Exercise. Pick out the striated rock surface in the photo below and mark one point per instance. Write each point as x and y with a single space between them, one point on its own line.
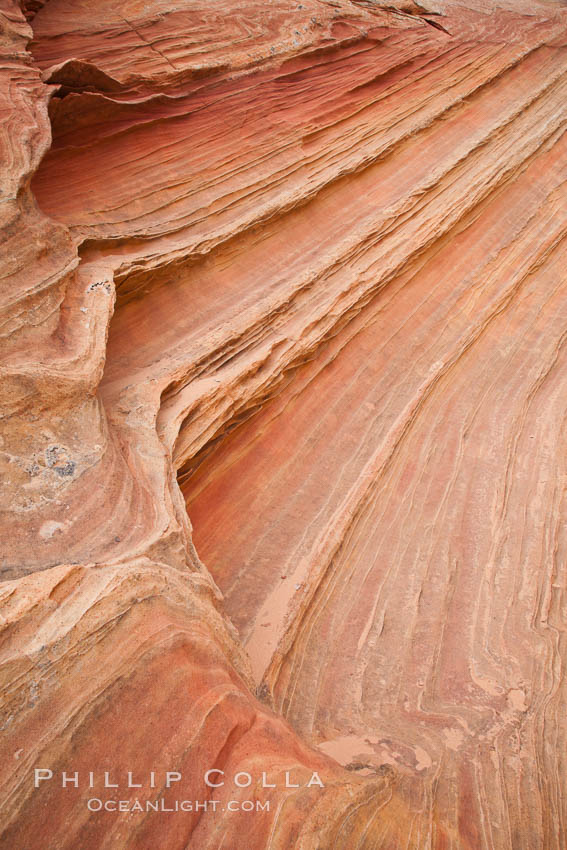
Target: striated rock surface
283 392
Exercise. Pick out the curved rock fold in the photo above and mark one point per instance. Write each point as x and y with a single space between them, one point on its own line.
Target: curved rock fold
283 416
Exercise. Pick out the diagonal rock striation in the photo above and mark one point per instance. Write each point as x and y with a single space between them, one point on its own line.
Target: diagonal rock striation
283 409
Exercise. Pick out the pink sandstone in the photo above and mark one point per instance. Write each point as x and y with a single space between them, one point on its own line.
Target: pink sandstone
283 399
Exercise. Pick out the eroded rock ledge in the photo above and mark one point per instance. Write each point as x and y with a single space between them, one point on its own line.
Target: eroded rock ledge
283 419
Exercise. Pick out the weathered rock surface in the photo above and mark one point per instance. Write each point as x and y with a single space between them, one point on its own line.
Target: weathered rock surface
283 401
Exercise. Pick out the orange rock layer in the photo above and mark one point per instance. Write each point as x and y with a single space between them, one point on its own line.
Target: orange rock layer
283 402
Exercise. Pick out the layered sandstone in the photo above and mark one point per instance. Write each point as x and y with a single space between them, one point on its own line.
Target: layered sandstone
283 404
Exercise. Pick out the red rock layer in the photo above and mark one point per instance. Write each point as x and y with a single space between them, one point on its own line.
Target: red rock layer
309 261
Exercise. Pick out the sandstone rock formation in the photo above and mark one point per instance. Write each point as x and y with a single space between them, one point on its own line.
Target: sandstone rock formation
283 392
